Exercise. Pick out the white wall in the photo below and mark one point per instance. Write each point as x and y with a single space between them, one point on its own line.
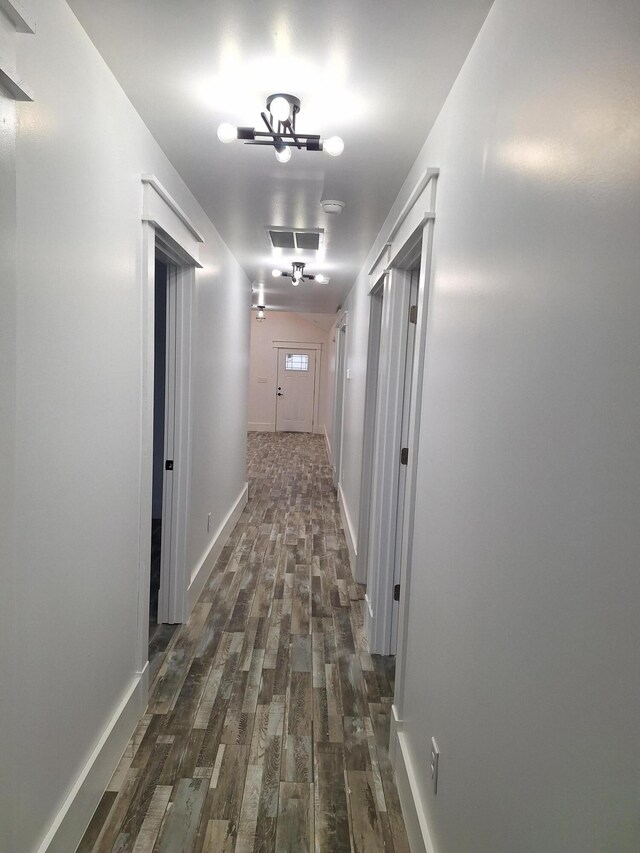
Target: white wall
8 579
524 600
283 326
81 149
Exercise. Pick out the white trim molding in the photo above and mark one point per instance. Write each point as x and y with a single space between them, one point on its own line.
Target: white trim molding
10 80
17 88
76 811
200 574
349 535
327 442
294 344
416 192
168 199
18 17
405 223
258 426
415 817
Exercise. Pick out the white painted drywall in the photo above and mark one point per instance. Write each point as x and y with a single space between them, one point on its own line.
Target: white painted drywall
523 609
8 575
81 149
283 326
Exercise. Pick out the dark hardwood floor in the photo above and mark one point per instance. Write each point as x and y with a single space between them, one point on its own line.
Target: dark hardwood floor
268 720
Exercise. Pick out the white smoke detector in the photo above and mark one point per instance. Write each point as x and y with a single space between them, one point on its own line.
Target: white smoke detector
332 205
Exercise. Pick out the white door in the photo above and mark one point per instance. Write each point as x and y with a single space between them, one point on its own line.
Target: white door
404 442
295 392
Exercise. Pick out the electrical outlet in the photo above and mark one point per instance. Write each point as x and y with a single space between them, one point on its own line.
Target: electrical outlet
209 523
435 761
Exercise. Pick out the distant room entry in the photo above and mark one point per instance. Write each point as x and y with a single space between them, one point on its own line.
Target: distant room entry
296 390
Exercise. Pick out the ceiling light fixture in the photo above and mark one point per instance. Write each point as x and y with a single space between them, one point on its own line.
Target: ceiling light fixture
297 274
260 315
281 131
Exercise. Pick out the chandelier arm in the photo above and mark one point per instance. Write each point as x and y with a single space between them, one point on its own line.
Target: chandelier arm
291 131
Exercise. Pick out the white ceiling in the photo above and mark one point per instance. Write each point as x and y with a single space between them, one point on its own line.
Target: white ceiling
375 72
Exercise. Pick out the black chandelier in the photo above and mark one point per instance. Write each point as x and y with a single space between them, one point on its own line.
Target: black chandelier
297 274
281 131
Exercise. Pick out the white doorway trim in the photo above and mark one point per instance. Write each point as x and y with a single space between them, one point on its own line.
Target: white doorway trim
167 232
386 461
413 442
368 441
338 399
299 345
389 541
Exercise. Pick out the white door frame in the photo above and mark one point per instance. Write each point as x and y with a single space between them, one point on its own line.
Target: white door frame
339 397
294 346
166 231
411 233
174 577
369 437
406 544
386 462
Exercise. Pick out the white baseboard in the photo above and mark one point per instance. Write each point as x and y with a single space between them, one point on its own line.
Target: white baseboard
201 573
352 544
260 427
415 818
328 443
74 815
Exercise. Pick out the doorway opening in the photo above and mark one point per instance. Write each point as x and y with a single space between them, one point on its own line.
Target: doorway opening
297 387
369 436
338 402
159 399
390 406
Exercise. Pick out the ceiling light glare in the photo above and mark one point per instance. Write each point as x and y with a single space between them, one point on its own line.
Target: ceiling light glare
321 279
276 273
280 109
283 156
295 281
333 146
227 133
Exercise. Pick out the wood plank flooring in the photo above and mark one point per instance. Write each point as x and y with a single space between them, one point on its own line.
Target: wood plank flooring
268 719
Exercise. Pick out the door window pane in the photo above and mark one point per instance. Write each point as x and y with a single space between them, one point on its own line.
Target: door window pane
296 361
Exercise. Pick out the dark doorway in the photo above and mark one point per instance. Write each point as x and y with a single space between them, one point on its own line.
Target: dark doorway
159 394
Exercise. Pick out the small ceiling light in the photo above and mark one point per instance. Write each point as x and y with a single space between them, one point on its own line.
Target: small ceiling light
333 146
298 274
227 133
332 206
260 315
280 108
283 156
281 130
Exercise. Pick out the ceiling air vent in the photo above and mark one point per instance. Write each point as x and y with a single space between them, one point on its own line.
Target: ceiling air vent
298 238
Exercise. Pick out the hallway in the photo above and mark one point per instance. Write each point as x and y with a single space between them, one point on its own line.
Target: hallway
268 722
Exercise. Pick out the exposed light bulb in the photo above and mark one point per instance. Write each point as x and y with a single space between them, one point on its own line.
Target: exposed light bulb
276 273
333 146
227 132
295 281
261 315
320 278
280 109
283 156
